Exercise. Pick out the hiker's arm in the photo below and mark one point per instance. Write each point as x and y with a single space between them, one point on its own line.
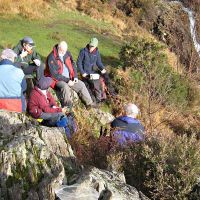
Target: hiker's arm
73 65
99 62
80 62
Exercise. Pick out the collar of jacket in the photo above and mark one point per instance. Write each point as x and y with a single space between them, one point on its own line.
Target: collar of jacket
38 90
55 53
6 62
128 120
93 52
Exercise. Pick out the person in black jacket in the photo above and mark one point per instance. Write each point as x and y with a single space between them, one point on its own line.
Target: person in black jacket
91 68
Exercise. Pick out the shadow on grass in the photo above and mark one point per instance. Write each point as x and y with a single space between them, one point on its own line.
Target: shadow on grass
110 60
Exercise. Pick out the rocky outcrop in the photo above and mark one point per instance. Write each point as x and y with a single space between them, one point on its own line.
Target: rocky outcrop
34 159
102 184
167 20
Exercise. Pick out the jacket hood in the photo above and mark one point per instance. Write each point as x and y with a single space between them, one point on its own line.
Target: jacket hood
6 62
129 120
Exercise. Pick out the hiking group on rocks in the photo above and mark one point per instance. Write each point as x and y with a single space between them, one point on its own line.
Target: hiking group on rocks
60 73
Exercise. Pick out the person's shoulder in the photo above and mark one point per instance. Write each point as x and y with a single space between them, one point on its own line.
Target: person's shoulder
115 122
35 91
18 46
84 49
51 55
68 53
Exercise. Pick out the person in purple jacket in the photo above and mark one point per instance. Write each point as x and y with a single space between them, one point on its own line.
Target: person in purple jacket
127 128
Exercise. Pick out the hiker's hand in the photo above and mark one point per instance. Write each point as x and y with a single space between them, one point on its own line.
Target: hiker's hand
103 71
75 80
84 75
71 83
64 110
37 62
23 54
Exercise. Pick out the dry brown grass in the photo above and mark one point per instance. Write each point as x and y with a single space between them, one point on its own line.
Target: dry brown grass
31 9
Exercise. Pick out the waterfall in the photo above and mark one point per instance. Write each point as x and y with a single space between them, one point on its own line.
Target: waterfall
192 26
193 29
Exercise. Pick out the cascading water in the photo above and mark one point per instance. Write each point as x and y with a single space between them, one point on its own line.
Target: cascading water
192 27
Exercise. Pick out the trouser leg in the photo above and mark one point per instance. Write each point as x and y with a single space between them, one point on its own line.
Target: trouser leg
97 89
94 88
29 69
50 119
40 71
64 93
90 89
81 89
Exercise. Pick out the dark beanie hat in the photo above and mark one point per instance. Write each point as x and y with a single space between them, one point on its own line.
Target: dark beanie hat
44 83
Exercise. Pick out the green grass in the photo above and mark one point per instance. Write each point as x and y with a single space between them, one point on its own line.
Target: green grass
72 27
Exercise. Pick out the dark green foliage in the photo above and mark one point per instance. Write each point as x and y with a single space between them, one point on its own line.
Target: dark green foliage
163 167
155 77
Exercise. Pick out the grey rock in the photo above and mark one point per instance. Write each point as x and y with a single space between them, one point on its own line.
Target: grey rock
108 184
33 159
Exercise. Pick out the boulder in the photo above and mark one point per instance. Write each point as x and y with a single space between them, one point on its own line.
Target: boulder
34 159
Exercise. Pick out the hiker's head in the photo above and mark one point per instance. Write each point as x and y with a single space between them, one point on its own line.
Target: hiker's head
62 48
131 110
8 54
44 83
28 43
93 44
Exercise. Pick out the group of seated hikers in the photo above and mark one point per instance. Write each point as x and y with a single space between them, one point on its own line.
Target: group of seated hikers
60 73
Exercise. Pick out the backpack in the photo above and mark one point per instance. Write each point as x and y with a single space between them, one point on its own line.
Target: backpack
104 88
69 123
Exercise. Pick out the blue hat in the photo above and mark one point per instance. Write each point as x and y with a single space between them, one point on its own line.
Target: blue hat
28 40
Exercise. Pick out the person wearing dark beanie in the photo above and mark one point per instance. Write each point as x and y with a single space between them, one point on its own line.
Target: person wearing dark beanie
42 105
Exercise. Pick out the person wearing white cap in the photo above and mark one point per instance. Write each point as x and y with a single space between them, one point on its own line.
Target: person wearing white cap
62 68
127 128
28 59
92 69
12 83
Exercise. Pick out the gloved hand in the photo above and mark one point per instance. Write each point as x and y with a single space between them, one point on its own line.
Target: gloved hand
84 75
75 80
71 83
23 54
37 62
103 71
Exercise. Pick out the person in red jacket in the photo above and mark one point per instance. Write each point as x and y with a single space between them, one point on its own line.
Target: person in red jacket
42 105
61 68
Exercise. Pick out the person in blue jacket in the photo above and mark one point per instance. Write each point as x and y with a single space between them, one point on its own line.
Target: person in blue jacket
127 128
12 83
91 68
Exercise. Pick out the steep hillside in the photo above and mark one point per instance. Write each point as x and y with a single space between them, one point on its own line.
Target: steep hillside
151 61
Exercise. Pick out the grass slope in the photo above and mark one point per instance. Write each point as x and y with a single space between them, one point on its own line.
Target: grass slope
73 27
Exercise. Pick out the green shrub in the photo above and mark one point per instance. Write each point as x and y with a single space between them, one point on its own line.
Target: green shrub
159 82
164 167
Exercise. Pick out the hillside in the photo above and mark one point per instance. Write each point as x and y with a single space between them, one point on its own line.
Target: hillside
152 62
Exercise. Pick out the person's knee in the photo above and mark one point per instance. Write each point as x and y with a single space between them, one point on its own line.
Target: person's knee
42 66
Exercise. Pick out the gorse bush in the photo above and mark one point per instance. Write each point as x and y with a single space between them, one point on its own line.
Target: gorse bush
163 167
159 82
